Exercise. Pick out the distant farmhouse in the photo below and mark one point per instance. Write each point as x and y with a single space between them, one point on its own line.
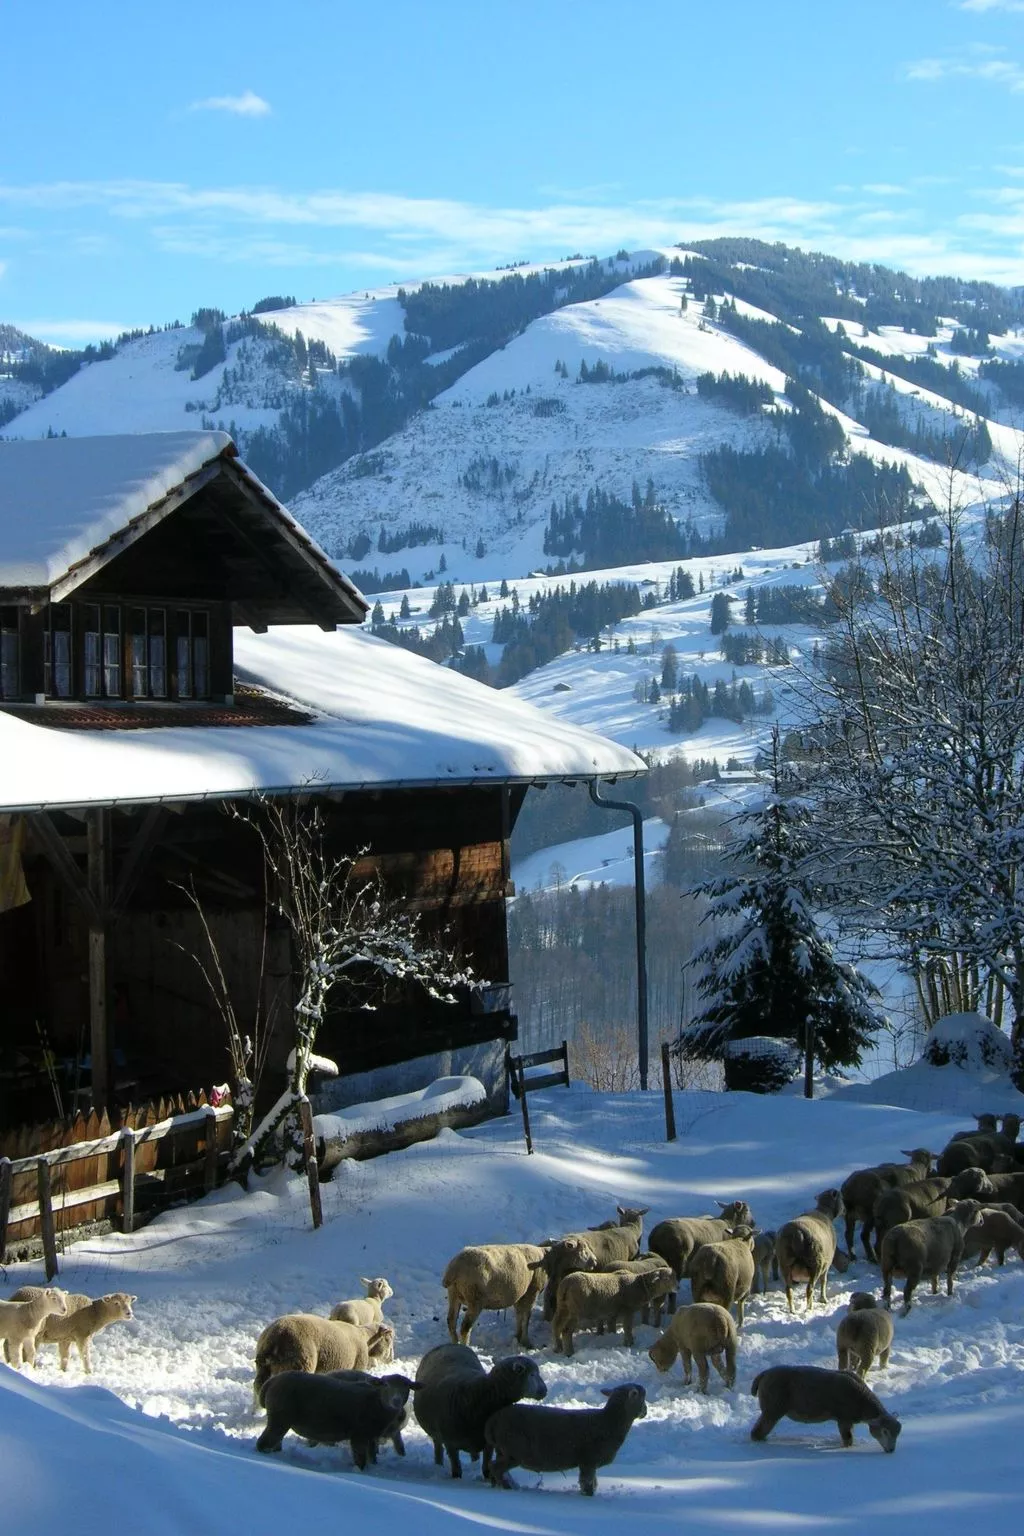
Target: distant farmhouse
172 642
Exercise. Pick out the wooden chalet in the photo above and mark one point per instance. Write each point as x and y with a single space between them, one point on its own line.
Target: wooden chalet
173 642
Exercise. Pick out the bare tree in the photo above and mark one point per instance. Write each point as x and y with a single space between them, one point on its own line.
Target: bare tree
919 753
347 932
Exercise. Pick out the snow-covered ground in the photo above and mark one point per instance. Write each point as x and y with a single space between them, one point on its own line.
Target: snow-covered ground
171 1394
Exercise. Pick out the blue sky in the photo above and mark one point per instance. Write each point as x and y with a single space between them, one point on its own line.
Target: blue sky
164 156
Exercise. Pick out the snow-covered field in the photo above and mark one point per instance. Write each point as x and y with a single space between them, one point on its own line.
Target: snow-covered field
171 1393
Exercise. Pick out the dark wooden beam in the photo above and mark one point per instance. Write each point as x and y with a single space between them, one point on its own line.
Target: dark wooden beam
56 850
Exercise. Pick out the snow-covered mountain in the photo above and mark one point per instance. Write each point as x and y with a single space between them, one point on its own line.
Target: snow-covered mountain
452 415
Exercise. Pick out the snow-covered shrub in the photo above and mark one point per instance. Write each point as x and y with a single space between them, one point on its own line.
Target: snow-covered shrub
970 1041
760 1064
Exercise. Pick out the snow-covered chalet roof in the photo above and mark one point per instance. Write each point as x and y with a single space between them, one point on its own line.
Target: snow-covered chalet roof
70 504
383 718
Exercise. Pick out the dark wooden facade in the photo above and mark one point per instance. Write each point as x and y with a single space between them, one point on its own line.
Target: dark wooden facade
444 852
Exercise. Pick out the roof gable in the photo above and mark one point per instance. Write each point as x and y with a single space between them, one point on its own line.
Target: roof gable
69 507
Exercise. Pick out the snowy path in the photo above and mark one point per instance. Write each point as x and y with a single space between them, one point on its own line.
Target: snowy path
209 1277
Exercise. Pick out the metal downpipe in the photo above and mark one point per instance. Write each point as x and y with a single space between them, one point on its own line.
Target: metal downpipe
643 1049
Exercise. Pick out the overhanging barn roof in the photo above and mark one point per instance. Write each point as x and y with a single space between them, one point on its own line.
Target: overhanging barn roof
70 507
383 719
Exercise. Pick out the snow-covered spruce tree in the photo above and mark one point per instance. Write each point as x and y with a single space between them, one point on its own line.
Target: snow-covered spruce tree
347 933
769 970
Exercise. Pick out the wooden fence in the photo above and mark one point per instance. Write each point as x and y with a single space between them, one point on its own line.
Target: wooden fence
54 1177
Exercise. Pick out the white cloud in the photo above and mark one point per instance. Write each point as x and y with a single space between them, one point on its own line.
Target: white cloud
73 332
994 71
246 105
991 5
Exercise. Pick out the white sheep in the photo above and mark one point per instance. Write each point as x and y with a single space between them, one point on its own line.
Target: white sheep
21 1321
82 1321
704 1331
806 1247
302 1341
864 1333
491 1277
366 1310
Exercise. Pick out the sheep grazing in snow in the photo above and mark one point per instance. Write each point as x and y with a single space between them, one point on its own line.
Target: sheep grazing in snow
864 1334
606 1299
927 1197
618 1239
22 1321
921 1250
1000 1227
565 1256
329 1409
301 1341
806 1247
490 1278
677 1239
704 1331
651 1312
811 1395
365 1310
724 1272
862 1189
455 1397
561 1439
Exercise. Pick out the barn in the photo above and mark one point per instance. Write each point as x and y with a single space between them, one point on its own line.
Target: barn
173 645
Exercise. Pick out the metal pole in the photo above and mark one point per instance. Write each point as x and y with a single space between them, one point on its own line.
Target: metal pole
641 918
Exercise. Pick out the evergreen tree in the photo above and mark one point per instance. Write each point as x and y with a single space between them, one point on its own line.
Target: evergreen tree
405 612
377 616
669 668
770 970
720 614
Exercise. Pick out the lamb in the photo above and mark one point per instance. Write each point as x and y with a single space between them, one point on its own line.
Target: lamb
865 1331
643 1262
83 1319
455 1397
605 1298
366 1311
301 1341
566 1256
613 1240
920 1249
811 1395
927 1197
22 1321
329 1409
705 1331
1005 1187
862 1189
806 1247
766 1261
677 1239
999 1228
724 1272
559 1439
492 1277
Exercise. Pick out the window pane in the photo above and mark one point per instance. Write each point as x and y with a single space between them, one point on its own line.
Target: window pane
200 655
157 653
57 652
9 671
183 655
112 652
91 653
137 652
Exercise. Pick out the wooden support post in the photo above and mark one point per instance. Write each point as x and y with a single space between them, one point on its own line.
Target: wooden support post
98 849
5 1202
517 1066
46 1217
309 1157
210 1165
666 1082
128 1179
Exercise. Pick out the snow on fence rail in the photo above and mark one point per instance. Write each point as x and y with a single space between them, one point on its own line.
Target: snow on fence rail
131 1154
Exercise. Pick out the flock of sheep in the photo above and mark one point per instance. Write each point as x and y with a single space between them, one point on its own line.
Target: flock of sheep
325 1379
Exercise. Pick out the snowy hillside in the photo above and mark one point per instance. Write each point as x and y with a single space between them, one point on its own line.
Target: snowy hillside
169 1415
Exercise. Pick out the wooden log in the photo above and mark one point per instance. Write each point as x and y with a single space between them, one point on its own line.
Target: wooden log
666 1082
6 1180
128 1180
309 1157
46 1218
